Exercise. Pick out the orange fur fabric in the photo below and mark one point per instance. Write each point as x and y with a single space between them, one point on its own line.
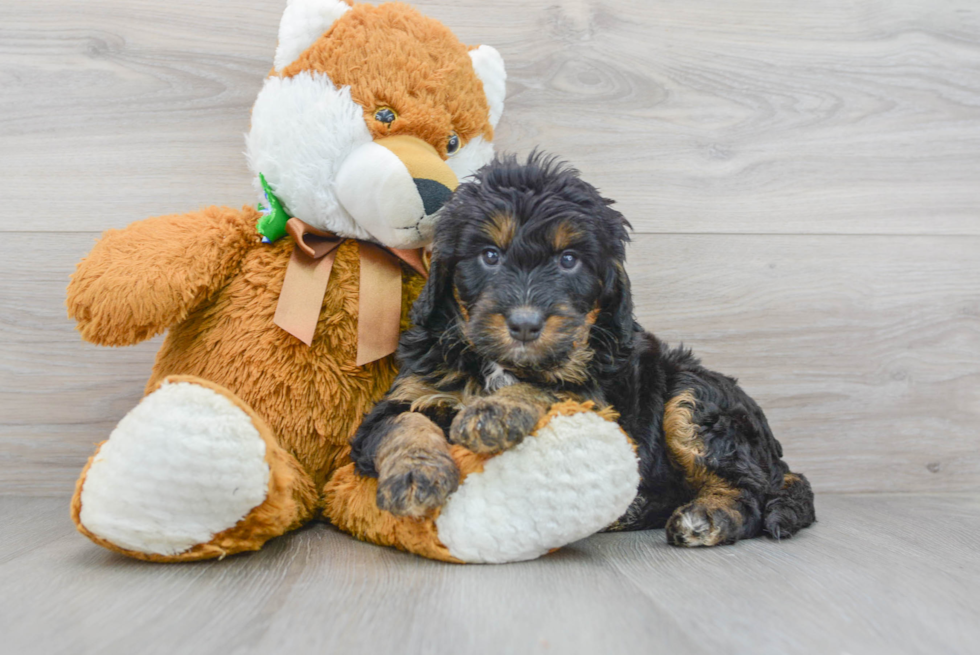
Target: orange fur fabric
208 276
385 54
312 397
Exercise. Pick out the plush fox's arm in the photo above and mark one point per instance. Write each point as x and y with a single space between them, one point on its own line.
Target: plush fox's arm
140 280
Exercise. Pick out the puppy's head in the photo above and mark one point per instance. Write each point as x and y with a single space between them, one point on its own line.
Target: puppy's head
528 260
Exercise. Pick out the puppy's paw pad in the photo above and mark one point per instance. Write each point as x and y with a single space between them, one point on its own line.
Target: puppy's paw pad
490 426
417 484
701 524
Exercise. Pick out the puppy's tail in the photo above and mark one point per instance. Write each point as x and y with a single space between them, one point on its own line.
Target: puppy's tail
790 508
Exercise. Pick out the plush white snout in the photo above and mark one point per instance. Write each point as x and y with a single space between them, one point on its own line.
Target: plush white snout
309 140
376 189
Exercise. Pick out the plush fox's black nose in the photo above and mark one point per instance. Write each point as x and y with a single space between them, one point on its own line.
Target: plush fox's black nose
525 324
434 194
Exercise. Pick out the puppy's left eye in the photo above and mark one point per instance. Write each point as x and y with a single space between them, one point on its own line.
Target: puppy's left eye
568 260
491 256
453 144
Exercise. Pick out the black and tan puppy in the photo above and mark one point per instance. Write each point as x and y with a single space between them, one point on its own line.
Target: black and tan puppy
528 302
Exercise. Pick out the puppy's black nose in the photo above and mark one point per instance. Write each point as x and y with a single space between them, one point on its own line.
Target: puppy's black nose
525 324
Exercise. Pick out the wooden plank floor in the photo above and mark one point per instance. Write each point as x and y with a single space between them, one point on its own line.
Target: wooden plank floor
890 574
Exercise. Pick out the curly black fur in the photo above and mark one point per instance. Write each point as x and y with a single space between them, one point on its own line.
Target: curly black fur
534 214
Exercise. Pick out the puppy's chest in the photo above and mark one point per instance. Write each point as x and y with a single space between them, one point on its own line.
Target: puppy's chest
496 377
446 392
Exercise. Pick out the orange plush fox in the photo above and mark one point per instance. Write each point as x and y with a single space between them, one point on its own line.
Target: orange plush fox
282 319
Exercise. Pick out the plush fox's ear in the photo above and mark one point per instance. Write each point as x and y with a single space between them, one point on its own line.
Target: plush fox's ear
489 67
303 22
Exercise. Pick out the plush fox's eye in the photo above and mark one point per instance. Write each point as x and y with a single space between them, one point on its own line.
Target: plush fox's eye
385 115
491 256
453 144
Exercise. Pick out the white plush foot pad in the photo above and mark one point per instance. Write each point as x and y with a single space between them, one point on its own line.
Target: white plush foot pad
183 465
574 478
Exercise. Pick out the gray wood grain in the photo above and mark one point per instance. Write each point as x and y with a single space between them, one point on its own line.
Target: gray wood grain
706 116
864 351
804 179
876 574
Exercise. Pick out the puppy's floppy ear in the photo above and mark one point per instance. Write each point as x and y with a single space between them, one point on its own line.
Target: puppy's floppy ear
429 310
616 301
616 305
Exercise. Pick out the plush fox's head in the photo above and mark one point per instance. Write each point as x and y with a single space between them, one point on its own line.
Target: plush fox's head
370 117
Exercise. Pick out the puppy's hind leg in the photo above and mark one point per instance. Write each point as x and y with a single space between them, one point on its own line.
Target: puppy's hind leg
725 464
789 509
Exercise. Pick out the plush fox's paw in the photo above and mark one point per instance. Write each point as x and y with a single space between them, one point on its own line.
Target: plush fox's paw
492 425
573 477
186 464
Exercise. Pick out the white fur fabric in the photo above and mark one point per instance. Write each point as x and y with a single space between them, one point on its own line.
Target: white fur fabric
302 23
183 465
573 478
472 157
374 185
303 128
489 67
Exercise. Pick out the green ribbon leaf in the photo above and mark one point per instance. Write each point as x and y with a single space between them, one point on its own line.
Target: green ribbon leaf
272 225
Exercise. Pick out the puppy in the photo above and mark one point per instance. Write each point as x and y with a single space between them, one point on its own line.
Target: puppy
528 303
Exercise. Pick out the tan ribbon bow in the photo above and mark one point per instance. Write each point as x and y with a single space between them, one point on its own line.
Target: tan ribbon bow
380 293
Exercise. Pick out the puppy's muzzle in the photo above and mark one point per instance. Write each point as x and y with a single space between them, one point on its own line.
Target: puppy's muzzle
393 186
525 324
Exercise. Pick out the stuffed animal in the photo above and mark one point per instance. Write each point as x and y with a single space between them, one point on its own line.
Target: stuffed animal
282 319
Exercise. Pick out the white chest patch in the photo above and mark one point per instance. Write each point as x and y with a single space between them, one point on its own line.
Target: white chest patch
496 377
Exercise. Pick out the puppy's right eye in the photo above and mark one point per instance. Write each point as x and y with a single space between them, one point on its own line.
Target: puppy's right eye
568 260
491 256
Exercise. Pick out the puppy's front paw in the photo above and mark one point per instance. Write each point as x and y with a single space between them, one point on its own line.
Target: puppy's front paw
416 473
417 483
493 425
703 523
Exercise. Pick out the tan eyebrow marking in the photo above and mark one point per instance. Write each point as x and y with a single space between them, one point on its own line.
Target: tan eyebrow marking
501 228
564 235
